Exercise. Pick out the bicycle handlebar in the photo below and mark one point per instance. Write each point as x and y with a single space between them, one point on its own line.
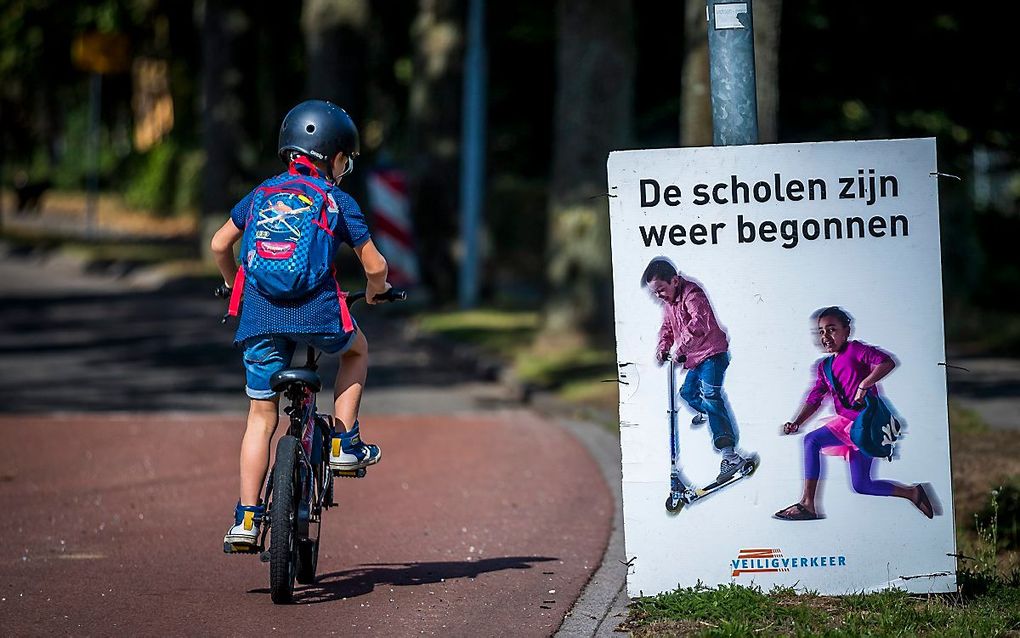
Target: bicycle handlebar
391 295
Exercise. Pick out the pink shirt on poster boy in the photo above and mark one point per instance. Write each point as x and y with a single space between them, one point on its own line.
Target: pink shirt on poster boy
691 325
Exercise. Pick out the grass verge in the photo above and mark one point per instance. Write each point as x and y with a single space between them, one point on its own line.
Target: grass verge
733 610
575 373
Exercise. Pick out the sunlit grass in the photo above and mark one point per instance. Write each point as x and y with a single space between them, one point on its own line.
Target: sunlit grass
733 610
496 332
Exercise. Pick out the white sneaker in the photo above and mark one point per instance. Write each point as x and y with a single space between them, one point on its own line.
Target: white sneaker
244 535
348 452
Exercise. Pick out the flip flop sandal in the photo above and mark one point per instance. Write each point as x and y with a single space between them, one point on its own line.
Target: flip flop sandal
924 503
801 514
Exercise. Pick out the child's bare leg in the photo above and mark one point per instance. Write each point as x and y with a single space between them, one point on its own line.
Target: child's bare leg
263 417
808 498
807 502
350 383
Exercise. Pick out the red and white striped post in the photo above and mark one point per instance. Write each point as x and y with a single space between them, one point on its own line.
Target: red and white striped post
394 233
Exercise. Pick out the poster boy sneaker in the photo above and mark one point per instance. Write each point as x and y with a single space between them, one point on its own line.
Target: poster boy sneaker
349 452
244 535
729 466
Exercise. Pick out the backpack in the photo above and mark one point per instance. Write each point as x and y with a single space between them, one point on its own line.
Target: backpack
875 429
287 247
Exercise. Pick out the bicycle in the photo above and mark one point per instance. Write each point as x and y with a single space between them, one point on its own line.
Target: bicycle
300 483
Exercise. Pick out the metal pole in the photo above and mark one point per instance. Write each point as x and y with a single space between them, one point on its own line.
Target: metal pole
95 102
731 68
472 162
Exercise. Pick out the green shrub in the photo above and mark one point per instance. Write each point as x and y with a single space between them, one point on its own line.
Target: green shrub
1001 516
188 192
153 184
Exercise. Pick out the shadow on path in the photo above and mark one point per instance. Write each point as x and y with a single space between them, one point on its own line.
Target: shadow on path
363 580
84 350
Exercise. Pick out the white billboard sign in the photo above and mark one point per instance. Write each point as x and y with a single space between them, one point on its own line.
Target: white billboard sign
780 333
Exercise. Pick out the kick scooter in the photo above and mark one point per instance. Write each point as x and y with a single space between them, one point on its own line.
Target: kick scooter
681 494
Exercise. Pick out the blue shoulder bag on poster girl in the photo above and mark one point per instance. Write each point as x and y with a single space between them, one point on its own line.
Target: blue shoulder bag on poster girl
875 429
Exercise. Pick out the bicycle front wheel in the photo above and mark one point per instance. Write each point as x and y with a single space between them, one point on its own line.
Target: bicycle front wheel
283 521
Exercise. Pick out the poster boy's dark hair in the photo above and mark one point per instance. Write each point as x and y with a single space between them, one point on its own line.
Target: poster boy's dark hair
659 268
833 311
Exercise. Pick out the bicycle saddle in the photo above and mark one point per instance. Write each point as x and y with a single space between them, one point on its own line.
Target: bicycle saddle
280 380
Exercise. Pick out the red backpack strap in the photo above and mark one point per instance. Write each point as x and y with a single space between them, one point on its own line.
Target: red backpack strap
345 313
301 160
236 293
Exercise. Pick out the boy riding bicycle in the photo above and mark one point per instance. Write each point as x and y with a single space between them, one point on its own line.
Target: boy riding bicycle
291 226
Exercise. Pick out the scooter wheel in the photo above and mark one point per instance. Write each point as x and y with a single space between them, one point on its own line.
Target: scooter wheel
750 468
671 508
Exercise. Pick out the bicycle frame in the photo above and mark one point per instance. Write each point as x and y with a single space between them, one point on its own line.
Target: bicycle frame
316 482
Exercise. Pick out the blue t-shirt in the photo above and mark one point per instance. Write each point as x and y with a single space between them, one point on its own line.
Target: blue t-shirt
319 312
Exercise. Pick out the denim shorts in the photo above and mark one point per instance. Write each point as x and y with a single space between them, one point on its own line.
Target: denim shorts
268 354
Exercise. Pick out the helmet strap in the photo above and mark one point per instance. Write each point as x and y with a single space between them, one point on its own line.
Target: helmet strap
335 179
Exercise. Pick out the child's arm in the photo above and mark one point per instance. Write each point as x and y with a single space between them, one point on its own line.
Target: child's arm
700 318
812 402
665 343
878 373
376 270
222 246
806 411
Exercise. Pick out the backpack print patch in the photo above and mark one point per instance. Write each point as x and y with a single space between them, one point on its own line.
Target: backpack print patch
278 229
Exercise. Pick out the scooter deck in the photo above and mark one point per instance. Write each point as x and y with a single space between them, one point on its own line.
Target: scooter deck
678 498
745 471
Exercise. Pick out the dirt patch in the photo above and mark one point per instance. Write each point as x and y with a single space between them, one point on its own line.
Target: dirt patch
981 462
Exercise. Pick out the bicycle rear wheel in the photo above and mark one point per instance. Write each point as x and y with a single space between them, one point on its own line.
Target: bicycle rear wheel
283 521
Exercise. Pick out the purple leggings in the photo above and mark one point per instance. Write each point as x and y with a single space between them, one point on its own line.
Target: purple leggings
860 463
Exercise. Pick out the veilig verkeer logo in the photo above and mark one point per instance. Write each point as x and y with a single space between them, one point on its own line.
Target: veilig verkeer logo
757 560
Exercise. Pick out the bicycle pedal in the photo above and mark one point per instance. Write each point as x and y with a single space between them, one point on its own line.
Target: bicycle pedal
358 473
239 548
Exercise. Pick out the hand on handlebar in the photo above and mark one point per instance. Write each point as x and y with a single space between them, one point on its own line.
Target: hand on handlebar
372 292
391 294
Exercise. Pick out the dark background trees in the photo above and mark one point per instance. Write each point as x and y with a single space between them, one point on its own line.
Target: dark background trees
568 81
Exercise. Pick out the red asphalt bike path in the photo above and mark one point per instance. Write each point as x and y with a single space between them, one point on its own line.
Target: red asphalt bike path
473 524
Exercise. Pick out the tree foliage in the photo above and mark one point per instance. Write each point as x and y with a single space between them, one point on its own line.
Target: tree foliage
843 71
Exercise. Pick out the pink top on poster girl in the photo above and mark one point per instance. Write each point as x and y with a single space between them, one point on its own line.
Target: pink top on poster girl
849 368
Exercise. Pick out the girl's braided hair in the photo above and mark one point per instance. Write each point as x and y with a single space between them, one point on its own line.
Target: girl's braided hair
833 311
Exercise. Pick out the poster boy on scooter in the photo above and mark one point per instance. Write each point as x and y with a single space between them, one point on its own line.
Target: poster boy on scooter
692 334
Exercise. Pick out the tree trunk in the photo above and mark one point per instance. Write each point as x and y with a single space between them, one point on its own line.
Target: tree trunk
222 111
593 116
434 113
335 46
695 87
767 20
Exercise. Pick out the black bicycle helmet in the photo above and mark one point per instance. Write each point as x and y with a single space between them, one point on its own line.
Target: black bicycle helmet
319 129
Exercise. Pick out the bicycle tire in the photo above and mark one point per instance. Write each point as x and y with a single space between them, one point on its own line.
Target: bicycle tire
283 521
